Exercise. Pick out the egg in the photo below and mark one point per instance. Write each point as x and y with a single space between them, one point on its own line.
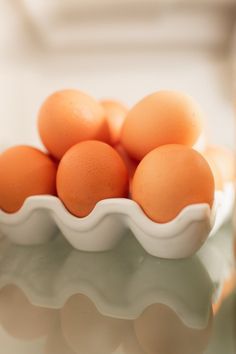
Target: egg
201 143
224 161
86 330
115 114
218 177
89 172
68 117
169 179
159 330
130 163
164 117
25 172
20 318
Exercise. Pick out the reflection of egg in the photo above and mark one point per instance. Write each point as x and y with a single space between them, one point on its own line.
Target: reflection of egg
89 172
56 343
165 117
170 178
25 171
160 331
224 161
115 114
86 330
228 287
20 318
130 343
69 117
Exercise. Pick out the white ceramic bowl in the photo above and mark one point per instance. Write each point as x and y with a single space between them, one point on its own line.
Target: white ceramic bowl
40 217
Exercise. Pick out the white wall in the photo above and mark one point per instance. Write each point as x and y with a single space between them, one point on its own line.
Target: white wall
30 70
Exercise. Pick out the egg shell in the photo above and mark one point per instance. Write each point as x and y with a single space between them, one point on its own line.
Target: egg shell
25 172
164 117
130 163
68 117
88 173
223 159
218 177
169 179
115 113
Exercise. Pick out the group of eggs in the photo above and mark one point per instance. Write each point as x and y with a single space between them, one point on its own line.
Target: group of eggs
99 150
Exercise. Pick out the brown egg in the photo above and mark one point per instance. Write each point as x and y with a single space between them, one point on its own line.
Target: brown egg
115 114
218 178
160 331
130 163
164 117
86 330
89 172
224 161
20 318
25 171
68 117
170 178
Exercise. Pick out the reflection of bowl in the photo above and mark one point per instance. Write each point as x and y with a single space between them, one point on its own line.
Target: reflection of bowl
122 285
121 282
80 328
176 285
40 216
157 330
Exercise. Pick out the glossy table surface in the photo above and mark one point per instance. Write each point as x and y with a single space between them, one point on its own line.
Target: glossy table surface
56 300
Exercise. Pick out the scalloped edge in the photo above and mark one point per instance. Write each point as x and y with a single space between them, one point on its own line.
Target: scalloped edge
40 217
165 280
168 287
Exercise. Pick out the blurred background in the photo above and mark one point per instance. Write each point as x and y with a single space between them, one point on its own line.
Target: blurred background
122 49
119 49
